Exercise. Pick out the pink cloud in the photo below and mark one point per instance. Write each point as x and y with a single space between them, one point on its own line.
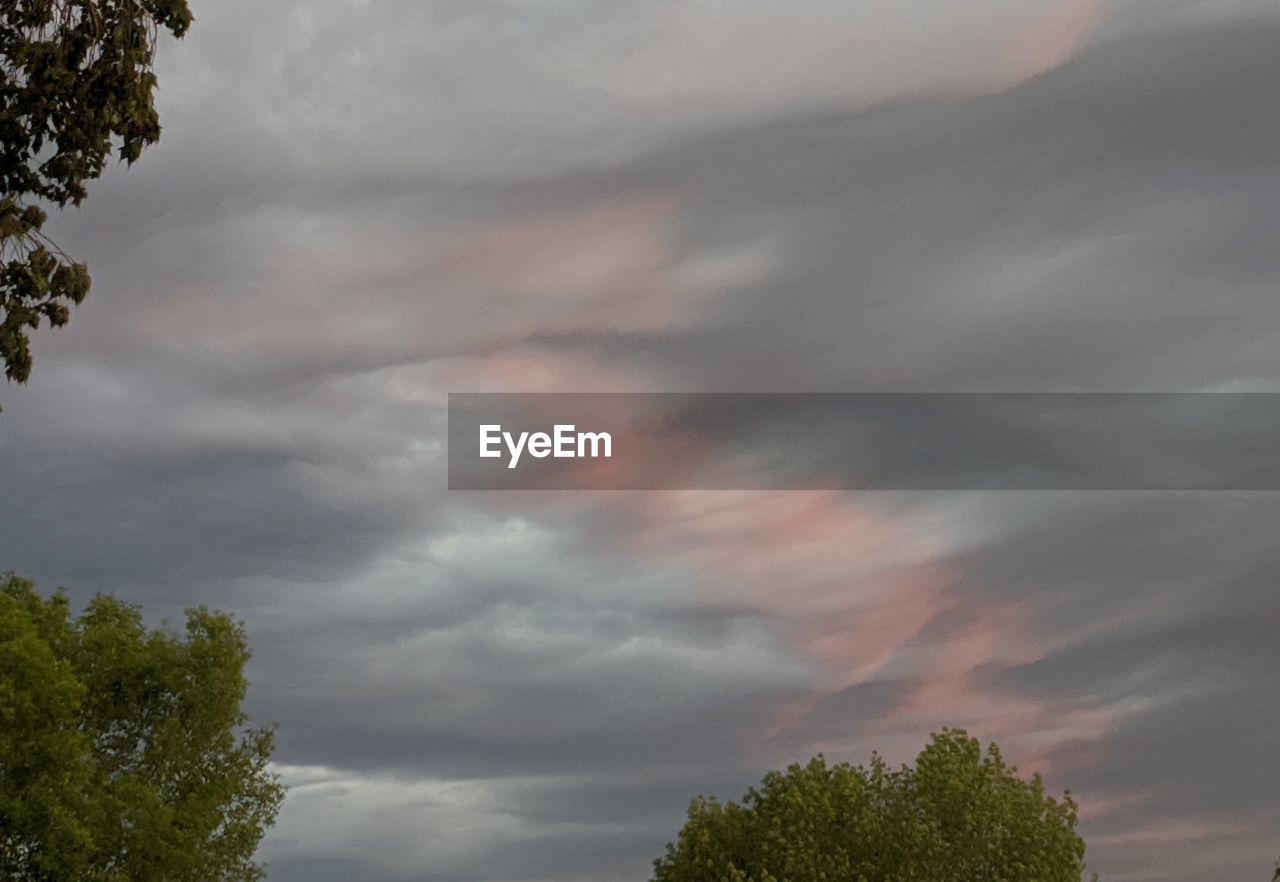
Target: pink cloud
862 596
615 266
1053 36
1177 831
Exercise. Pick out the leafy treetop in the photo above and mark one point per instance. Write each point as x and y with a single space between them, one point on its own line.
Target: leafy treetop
78 83
124 755
958 815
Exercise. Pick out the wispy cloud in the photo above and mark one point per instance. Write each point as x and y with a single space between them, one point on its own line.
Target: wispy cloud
357 208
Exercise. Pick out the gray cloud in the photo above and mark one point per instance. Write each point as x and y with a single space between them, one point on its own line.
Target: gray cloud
356 209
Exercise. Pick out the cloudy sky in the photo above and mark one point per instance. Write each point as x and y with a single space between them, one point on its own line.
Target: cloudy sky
359 206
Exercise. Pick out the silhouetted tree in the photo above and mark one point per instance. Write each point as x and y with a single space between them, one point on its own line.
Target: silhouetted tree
78 83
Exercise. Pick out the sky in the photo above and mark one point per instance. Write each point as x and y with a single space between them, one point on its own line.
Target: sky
358 207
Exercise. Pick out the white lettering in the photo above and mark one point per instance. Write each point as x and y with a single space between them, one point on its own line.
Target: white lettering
563 442
488 436
514 447
595 438
539 444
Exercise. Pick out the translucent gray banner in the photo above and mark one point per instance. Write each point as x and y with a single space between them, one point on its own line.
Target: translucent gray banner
865 441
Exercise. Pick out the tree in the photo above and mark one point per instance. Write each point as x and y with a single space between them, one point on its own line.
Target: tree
124 755
958 816
78 84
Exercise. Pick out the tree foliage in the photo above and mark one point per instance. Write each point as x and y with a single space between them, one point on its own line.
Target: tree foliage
78 83
123 750
958 815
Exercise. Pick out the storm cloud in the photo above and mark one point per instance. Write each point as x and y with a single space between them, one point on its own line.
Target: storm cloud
357 208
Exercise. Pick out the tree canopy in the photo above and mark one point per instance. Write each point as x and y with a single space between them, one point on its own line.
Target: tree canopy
78 83
958 815
124 755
